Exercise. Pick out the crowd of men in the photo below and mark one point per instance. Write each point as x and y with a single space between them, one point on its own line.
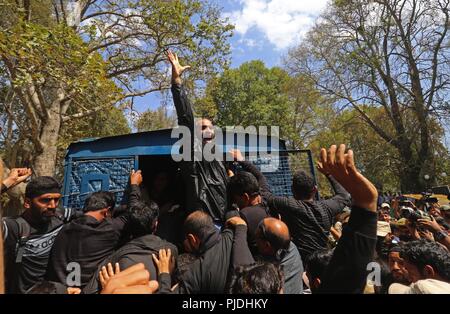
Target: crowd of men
228 233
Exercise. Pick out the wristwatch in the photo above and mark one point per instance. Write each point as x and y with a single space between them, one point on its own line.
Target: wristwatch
441 235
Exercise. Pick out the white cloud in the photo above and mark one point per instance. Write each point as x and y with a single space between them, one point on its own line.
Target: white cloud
251 43
282 21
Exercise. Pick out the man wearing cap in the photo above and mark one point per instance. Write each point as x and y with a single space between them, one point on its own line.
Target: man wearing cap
445 211
29 237
385 206
384 213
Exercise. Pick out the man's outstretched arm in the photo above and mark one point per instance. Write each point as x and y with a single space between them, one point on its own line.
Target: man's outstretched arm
347 270
279 204
180 99
341 199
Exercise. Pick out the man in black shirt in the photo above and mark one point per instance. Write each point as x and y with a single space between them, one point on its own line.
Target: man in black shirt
89 239
309 221
243 189
143 224
29 237
205 181
208 273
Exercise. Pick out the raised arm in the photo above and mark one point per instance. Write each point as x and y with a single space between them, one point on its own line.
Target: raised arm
134 196
241 254
347 270
180 99
341 199
279 204
134 201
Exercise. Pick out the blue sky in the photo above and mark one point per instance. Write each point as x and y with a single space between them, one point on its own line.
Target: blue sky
264 30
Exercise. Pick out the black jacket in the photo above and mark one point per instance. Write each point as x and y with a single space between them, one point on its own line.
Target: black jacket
209 273
309 223
348 267
253 215
205 181
136 251
87 241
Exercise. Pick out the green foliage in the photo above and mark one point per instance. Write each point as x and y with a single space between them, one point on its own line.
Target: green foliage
195 29
249 95
378 160
54 58
54 68
154 120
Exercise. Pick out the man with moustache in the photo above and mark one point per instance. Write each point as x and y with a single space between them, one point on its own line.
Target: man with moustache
205 180
29 237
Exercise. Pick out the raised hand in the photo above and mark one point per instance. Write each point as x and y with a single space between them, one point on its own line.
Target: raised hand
177 68
236 154
17 176
136 177
341 166
322 169
430 225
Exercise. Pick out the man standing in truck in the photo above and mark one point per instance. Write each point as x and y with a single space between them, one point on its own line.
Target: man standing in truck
205 181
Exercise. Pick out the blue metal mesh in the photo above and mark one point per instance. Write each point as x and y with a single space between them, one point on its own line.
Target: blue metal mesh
118 170
278 169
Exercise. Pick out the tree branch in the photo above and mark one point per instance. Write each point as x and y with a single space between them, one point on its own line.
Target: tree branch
148 91
435 59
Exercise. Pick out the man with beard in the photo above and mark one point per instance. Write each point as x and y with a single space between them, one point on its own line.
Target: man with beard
29 237
397 266
205 181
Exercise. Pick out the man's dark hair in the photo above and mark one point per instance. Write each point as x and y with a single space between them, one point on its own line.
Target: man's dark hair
317 263
243 182
424 252
200 224
42 185
303 185
143 218
258 278
99 200
396 248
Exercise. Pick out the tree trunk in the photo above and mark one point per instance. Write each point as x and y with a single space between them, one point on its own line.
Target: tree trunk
45 162
411 180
